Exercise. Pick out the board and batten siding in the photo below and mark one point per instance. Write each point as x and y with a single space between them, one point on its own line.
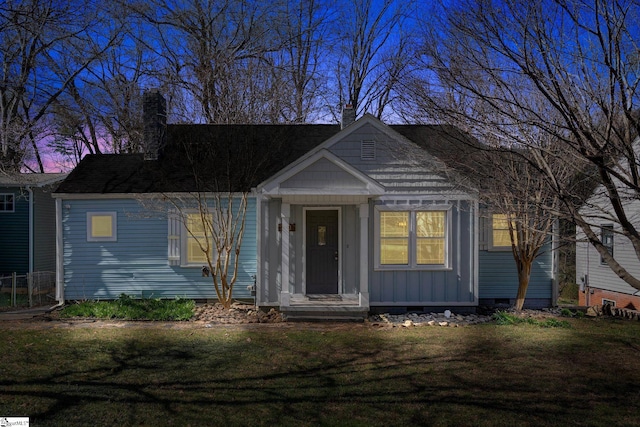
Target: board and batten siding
452 287
14 234
137 262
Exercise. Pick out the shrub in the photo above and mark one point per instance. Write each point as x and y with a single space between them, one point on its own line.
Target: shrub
566 312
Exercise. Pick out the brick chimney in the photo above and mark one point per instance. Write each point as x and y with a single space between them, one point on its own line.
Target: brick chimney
154 117
348 116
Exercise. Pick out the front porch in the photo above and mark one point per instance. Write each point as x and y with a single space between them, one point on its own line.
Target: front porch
325 306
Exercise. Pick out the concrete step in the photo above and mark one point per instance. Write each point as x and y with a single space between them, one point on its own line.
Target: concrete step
318 314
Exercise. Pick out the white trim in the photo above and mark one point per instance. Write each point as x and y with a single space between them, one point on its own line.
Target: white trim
156 195
272 185
259 235
474 235
412 262
305 209
114 226
323 199
59 253
424 303
410 199
285 291
363 211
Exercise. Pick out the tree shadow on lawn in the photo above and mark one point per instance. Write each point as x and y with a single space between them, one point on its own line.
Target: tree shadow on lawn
312 377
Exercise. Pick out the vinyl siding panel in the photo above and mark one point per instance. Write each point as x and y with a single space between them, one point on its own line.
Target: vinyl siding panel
14 234
498 276
137 263
588 259
600 275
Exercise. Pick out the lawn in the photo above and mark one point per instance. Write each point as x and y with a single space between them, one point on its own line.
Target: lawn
525 375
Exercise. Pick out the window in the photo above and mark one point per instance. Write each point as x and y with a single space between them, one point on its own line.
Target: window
101 226
394 238
500 237
7 203
430 241
606 236
194 235
412 239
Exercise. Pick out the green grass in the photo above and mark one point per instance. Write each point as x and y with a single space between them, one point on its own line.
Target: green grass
129 308
486 375
22 300
504 318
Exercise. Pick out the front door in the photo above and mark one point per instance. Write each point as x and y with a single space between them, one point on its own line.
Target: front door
322 251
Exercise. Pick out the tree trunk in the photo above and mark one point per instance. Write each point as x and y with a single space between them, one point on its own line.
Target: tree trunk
524 273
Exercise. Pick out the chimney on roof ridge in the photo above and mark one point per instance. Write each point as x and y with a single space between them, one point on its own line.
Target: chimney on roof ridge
154 117
348 115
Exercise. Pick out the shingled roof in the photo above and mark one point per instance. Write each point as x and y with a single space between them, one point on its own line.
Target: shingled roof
200 158
236 157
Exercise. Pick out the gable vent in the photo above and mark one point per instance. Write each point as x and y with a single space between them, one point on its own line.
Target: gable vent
368 150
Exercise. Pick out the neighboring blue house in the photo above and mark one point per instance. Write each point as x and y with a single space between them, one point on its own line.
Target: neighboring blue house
342 219
27 223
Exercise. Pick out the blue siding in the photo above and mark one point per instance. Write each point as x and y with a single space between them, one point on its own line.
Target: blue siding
137 263
14 234
499 276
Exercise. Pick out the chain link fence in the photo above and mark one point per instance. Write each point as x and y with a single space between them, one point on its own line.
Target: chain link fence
29 290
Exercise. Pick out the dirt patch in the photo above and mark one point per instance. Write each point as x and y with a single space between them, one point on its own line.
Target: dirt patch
237 314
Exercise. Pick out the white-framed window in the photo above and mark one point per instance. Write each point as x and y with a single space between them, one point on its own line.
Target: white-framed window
499 237
194 237
416 239
606 237
102 226
7 202
611 302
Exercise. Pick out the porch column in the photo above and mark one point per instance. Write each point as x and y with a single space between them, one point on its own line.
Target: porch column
285 213
364 255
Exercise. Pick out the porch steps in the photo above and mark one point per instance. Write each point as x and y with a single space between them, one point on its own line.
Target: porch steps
309 314
309 308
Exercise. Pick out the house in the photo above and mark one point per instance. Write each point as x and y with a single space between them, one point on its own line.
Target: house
27 223
341 220
598 284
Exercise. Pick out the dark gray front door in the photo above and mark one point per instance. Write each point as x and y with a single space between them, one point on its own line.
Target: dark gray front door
322 252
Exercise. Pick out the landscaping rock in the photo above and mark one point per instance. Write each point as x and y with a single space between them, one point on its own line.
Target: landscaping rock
429 319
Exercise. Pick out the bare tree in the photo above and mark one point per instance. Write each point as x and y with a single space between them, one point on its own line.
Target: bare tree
304 30
44 46
574 61
374 50
217 54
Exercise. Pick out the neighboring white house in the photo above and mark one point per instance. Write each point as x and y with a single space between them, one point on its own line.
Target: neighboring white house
598 283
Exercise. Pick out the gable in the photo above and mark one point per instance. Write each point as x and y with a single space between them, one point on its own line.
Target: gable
320 173
324 173
398 163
